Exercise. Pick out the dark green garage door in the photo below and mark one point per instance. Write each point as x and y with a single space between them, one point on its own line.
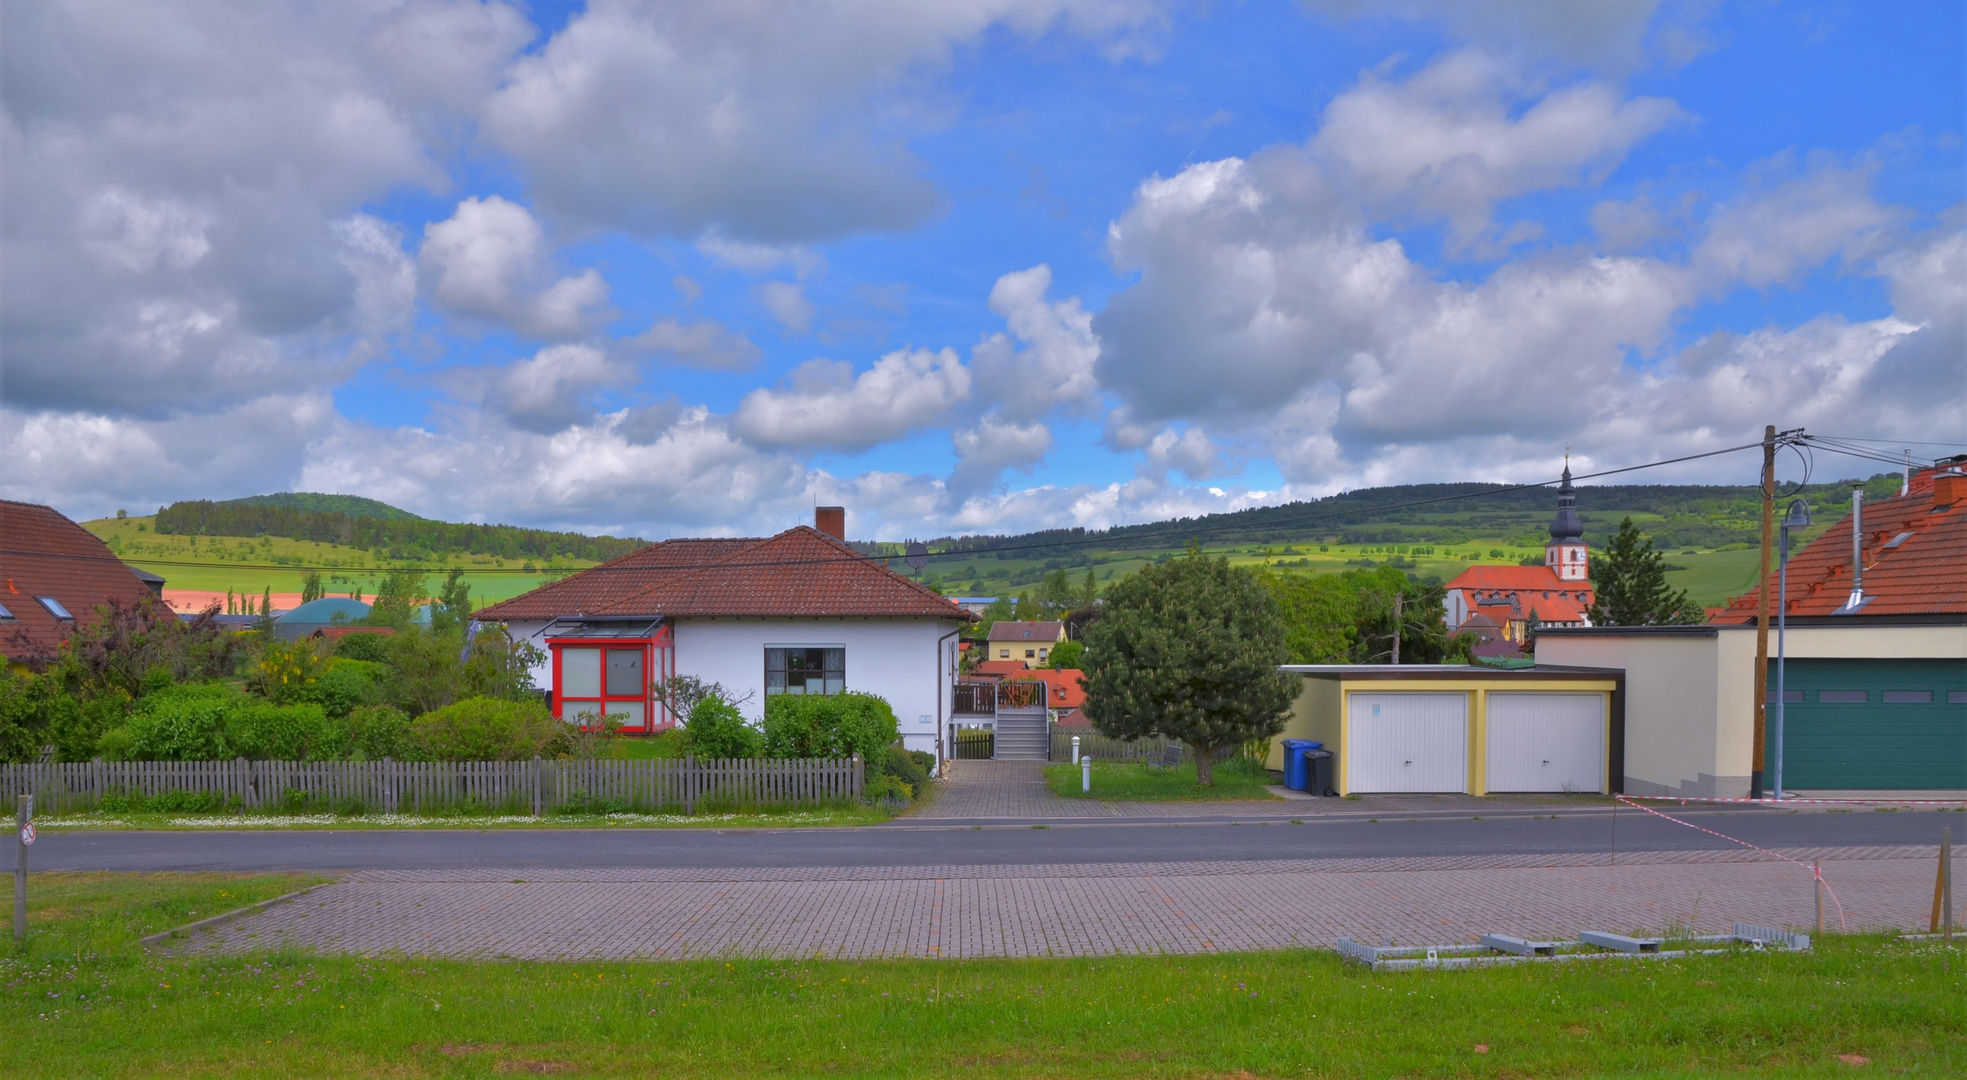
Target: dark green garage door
1898 724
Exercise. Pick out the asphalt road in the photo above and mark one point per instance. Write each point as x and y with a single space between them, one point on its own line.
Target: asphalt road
963 845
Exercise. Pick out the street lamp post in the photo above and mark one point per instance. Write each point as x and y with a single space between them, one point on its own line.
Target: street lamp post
1798 517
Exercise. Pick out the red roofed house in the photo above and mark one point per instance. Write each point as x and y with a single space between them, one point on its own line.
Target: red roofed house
797 613
1874 692
1499 603
53 576
1029 643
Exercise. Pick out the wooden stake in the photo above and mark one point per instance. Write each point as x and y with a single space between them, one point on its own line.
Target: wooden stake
1939 891
1817 868
1758 752
23 813
1943 887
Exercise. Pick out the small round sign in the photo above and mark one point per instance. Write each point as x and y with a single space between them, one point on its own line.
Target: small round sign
27 833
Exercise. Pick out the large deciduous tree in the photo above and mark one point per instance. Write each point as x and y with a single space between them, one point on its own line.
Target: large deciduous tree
1189 650
1629 578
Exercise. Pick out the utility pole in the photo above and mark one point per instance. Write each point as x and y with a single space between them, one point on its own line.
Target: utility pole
1396 626
1762 611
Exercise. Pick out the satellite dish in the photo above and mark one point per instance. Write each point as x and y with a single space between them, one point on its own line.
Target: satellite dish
918 554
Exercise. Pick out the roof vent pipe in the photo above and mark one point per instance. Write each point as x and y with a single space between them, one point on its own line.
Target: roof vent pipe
1857 549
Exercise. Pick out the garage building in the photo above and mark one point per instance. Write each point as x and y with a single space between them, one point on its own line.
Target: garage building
1415 728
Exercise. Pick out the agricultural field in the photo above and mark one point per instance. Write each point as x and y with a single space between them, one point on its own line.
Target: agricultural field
252 565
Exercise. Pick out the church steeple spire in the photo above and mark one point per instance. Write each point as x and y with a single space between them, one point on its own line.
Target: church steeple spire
1566 553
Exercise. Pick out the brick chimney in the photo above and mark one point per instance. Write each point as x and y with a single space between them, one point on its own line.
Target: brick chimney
831 520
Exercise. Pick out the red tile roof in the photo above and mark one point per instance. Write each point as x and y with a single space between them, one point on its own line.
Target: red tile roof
800 573
1925 573
1537 587
1065 689
1000 668
1009 630
1074 718
1509 577
618 579
43 553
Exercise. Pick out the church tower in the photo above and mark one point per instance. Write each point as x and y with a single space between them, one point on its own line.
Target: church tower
1566 554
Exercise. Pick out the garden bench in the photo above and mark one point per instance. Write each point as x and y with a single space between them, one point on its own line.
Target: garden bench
1171 756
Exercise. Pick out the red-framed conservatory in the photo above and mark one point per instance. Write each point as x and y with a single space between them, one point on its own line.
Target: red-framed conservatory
612 666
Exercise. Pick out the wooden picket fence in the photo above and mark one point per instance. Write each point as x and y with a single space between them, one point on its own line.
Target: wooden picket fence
1104 748
413 787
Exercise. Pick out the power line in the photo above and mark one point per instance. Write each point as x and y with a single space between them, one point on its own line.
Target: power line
1035 546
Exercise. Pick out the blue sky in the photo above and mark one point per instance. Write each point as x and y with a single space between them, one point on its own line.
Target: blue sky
984 266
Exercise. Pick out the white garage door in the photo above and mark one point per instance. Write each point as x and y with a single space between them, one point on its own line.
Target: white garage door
1407 742
1546 742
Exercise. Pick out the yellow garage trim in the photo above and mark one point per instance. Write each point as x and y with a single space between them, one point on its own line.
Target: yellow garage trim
1322 709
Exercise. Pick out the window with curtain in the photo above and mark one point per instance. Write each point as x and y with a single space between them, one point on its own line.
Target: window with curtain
805 670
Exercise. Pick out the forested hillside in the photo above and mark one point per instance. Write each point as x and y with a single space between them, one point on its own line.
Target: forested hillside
352 505
1677 516
406 537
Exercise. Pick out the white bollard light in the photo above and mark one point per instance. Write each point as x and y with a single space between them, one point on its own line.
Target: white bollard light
1075 748
1086 774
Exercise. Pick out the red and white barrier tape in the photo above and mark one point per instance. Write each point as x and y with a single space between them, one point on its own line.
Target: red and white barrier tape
1683 799
1815 871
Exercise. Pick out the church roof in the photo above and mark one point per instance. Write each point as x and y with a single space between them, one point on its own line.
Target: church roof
1567 525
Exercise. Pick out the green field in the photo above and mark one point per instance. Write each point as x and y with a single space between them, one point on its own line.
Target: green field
84 1000
1432 531
251 565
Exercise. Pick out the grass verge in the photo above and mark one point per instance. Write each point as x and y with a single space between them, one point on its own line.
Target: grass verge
83 1000
1132 781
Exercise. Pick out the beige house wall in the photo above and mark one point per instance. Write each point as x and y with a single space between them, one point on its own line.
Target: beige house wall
1690 700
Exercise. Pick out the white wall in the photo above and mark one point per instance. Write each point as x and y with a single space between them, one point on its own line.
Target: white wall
895 658
535 632
1673 741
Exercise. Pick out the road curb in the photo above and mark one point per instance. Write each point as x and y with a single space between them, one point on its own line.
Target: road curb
151 941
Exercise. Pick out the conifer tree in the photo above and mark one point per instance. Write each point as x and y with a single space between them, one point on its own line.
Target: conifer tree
1629 577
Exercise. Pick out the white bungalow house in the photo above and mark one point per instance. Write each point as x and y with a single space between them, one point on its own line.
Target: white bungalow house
796 613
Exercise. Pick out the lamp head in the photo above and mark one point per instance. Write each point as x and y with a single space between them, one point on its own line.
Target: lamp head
1798 516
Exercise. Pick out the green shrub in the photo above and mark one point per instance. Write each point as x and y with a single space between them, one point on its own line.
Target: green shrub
376 732
888 789
347 685
718 730
373 648
300 732
487 729
829 726
183 723
902 765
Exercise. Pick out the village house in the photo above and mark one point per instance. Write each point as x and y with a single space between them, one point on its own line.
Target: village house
1028 643
796 613
54 574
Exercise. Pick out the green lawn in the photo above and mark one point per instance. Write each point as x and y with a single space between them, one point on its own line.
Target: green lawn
83 1000
1134 781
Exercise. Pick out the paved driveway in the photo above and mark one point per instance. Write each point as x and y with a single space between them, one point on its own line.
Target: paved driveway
1069 910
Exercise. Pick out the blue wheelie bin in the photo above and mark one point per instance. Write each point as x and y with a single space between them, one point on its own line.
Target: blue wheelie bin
1295 777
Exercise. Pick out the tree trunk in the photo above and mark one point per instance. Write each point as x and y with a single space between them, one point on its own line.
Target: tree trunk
1204 765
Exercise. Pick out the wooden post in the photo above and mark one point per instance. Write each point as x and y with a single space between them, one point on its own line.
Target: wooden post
1762 610
1946 880
1817 876
23 813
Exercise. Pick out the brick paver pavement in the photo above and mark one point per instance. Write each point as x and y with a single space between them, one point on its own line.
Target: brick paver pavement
1077 910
